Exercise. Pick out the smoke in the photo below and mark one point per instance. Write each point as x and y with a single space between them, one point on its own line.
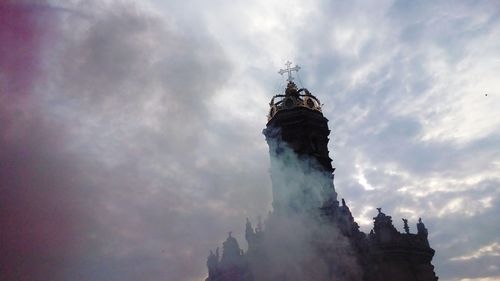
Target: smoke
299 248
102 108
299 182
299 242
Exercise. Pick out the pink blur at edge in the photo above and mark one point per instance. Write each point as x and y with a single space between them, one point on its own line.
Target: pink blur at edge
37 226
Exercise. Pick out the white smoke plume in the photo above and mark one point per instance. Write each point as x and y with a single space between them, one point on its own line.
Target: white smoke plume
298 242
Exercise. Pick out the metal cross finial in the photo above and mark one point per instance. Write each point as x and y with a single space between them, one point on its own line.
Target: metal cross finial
289 70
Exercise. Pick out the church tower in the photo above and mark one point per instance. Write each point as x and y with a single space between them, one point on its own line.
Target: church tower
297 135
309 235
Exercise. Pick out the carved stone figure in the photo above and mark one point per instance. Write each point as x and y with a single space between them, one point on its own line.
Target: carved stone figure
406 227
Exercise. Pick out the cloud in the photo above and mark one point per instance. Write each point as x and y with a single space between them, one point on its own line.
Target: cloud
130 134
99 177
488 250
411 131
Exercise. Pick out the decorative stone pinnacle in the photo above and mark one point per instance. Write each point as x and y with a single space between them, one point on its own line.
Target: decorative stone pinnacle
406 227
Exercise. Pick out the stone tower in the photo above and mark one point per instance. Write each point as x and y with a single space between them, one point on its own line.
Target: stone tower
301 169
309 235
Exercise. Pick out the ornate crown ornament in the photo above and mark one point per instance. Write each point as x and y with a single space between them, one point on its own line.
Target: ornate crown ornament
293 96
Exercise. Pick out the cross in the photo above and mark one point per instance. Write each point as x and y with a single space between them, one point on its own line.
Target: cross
289 70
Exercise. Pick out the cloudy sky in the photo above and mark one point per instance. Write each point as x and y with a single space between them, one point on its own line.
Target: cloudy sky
130 131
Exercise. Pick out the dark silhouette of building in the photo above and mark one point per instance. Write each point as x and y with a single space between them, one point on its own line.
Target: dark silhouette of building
309 235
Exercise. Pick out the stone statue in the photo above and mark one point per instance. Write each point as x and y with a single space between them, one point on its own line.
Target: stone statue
212 262
421 230
406 227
